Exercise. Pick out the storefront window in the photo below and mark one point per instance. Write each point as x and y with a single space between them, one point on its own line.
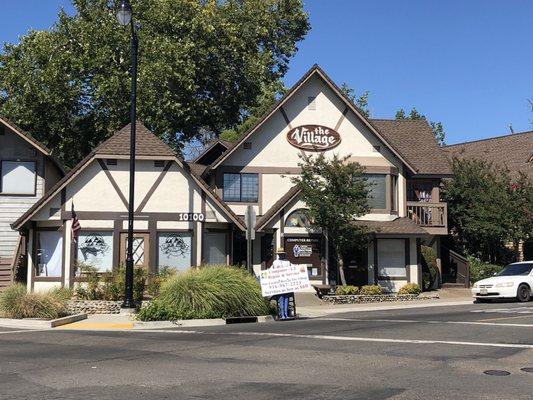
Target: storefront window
391 257
377 198
49 254
241 187
96 250
214 248
174 250
297 219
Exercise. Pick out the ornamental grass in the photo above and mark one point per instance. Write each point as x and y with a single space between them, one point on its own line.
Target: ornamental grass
208 292
16 302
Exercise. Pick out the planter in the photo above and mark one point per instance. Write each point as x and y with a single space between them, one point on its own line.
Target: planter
93 307
356 299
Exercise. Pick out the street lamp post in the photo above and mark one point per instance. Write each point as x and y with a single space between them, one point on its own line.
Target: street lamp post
124 17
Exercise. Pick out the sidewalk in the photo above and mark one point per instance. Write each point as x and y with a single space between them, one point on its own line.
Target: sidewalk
309 306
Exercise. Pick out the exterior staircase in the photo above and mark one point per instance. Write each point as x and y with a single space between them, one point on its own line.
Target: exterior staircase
6 272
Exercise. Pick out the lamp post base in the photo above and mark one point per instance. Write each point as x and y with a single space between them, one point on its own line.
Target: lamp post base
127 311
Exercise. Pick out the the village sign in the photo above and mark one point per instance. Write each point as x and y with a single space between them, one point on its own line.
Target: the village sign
313 137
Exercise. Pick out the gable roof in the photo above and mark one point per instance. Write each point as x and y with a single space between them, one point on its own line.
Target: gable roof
219 144
416 141
32 141
276 208
314 70
514 151
115 146
398 226
146 144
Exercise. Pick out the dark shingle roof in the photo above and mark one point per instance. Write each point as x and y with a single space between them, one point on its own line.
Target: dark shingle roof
276 207
399 226
146 143
414 139
514 151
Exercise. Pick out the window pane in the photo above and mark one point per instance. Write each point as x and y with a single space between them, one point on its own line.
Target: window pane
18 177
250 187
96 249
297 219
391 257
49 253
377 198
394 193
232 187
174 250
215 247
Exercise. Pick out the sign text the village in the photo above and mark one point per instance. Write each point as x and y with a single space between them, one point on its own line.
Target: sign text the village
313 137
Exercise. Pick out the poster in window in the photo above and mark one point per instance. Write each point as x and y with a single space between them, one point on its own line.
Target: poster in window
174 250
96 249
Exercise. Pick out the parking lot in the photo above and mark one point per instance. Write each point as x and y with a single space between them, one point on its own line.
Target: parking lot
477 351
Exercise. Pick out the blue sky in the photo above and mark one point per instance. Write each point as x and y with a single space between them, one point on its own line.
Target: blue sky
467 64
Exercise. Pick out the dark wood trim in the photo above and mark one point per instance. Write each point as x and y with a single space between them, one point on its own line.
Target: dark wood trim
64 252
154 186
408 259
418 262
117 229
376 264
281 221
285 117
195 236
203 205
26 160
114 215
113 182
343 116
153 260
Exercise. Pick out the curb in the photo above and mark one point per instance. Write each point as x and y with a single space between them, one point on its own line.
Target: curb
190 323
31 323
69 319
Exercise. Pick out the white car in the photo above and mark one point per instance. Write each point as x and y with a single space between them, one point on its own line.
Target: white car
514 281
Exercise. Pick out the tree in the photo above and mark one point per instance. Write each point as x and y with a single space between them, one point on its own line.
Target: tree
487 207
436 127
202 65
360 101
335 193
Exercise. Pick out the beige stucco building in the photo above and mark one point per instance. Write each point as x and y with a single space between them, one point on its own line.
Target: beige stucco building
193 213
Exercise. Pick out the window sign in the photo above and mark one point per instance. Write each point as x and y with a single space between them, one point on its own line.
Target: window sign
174 250
49 254
96 249
18 177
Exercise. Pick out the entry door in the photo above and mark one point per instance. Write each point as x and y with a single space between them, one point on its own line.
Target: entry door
214 247
141 249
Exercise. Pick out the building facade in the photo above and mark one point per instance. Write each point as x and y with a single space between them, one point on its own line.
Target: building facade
193 213
27 171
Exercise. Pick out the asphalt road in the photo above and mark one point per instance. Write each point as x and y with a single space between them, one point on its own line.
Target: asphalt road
424 353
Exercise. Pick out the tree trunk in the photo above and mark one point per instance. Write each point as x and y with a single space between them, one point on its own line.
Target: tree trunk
340 261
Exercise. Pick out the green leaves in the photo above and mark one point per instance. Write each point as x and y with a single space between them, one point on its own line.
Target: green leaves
335 193
487 207
202 65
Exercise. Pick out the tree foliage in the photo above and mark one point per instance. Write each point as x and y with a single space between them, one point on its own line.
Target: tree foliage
202 64
335 193
361 101
487 207
436 127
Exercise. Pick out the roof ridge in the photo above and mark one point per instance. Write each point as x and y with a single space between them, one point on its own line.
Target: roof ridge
487 139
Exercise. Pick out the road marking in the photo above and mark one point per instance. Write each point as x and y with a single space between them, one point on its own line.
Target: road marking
500 318
344 338
98 325
514 310
412 321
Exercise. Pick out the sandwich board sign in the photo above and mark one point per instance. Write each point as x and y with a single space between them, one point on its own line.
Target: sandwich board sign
279 280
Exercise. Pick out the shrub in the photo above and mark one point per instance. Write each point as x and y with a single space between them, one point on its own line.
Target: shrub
410 288
348 289
110 285
430 272
481 270
15 302
370 290
154 282
210 292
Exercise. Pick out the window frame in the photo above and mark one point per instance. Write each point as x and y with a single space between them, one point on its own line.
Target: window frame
41 278
18 160
240 200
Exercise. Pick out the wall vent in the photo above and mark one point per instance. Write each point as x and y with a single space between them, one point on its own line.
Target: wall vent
311 103
111 161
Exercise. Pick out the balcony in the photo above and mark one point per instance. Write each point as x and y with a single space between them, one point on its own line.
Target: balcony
433 217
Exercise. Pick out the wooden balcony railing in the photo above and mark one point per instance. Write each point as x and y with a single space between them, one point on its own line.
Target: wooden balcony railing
428 215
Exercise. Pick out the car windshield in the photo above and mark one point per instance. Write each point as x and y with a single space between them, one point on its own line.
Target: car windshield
516 269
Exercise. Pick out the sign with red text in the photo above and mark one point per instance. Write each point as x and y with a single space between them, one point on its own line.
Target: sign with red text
293 278
313 137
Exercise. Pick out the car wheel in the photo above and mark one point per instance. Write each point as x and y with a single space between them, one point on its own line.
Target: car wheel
523 294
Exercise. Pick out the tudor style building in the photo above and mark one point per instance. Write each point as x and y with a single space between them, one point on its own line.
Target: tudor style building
193 213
